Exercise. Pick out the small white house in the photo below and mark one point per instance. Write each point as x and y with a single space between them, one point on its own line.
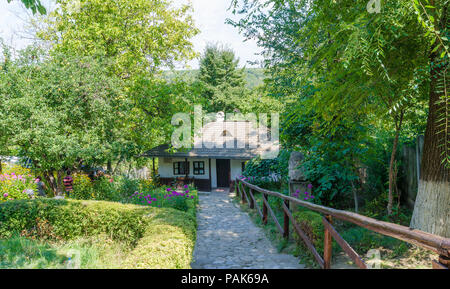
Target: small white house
218 156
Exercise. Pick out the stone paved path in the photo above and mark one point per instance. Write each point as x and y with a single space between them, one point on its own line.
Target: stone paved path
228 239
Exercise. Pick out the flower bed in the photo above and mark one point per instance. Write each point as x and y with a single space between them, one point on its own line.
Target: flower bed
14 183
167 197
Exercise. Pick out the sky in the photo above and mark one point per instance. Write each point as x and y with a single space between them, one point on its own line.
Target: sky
209 17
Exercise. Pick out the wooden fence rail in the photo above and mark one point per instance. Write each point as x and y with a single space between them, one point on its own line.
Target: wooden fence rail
437 244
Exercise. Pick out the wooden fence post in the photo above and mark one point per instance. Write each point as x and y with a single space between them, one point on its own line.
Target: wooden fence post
286 221
264 209
442 263
243 194
328 245
251 202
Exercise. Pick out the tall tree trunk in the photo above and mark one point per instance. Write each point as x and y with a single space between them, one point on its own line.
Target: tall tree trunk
51 182
392 175
1 166
432 206
54 183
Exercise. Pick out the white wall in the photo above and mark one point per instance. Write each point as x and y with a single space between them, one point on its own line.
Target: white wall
165 169
213 173
236 168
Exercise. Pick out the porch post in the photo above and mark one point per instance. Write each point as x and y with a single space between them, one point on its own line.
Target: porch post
154 170
210 181
186 167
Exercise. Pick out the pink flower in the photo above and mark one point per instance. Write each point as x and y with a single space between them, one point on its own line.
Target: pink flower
111 180
5 195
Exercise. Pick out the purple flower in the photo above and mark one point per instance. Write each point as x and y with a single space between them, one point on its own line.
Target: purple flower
297 191
192 197
5 195
306 199
309 186
187 191
169 189
186 186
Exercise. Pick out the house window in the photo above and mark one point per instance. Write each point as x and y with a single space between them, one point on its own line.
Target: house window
199 168
179 168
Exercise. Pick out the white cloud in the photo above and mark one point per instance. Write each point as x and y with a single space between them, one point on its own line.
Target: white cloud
209 17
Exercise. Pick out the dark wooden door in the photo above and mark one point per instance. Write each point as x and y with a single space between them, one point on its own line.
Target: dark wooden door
223 173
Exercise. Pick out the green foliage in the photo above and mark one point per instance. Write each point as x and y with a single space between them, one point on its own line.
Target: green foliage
254 77
168 243
222 85
69 219
137 36
83 188
341 70
65 111
34 6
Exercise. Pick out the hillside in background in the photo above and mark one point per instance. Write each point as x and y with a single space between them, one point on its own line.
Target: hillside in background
253 76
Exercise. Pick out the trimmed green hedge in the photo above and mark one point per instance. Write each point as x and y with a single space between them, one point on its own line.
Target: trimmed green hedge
157 237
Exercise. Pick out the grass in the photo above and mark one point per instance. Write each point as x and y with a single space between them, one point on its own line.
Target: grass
45 233
24 253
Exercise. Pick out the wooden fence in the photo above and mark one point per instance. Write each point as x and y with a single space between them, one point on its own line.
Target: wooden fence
437 244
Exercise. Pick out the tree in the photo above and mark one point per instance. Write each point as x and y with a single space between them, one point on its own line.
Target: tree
62 110
431 209
221 85
135 39
139 36
5 126
360 63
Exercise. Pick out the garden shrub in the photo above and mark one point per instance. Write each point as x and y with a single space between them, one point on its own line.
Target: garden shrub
172 234
70 219
268 173
83 188
152 237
